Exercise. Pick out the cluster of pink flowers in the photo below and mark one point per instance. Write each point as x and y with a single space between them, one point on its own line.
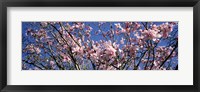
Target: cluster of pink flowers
120 46
32 48
129 26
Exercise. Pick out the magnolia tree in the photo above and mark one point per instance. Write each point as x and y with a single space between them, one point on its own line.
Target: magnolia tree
100 46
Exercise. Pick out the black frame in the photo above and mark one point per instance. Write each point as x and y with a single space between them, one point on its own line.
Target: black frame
101 3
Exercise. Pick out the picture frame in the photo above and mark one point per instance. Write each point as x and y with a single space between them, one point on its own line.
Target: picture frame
103 3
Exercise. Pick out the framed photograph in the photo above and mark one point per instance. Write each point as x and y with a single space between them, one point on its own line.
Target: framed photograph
85 45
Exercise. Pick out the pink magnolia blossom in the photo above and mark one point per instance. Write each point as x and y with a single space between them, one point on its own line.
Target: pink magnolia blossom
52 63
109 49
44 24
166 29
